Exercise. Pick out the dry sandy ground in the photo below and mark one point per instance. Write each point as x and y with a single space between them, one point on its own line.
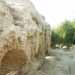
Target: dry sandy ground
61 62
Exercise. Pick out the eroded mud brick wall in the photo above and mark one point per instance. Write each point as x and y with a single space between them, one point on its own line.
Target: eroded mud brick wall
24 35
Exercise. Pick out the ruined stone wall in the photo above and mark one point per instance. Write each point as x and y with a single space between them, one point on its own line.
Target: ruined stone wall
24 36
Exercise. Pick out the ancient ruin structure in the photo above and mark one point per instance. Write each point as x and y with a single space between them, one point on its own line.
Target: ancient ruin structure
24 35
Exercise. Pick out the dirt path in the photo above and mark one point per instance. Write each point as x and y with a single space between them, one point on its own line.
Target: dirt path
59 63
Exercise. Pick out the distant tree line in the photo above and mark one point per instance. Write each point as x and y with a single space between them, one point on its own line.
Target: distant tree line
64 35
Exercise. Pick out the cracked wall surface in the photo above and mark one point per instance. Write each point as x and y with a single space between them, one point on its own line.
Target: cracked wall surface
24 35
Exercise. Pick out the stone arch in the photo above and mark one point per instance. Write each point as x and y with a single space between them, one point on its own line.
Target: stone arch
12 60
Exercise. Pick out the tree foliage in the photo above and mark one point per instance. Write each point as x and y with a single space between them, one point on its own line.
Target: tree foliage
65 34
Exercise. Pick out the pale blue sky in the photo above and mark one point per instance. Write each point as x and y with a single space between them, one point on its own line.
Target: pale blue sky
56 11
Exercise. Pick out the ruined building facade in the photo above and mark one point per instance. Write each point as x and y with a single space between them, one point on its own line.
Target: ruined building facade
24 35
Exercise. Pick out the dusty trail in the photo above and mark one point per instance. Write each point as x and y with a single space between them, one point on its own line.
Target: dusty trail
60 62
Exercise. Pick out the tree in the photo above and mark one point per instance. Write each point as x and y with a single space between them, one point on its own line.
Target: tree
55 39
65 34
69 33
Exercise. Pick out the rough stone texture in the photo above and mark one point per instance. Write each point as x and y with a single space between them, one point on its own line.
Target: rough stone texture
24 37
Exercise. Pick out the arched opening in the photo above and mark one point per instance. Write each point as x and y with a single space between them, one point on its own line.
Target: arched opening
13 60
